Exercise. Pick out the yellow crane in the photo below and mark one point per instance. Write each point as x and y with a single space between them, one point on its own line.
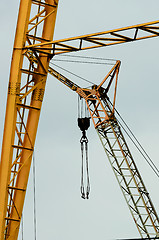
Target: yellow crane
34 47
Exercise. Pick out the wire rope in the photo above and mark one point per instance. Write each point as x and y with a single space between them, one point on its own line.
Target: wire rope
85 62
78 99
84 192
139 146
153 166
34 183
84 79
87 170
82 173
65 60
89 57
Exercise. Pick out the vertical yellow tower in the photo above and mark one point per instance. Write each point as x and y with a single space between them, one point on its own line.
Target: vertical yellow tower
36 23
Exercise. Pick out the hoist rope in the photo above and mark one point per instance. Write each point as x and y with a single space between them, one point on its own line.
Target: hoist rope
87 169
81 109
34 190
138 145
78 106
82 175
84 192
84 124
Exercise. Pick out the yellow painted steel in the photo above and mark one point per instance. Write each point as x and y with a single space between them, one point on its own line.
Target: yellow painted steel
10 119
33 49
14 168
102 113
100 39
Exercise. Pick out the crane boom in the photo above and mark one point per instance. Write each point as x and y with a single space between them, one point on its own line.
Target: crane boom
118 153
34 38
126 172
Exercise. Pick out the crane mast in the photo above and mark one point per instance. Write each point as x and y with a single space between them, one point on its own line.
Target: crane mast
33 49
25 95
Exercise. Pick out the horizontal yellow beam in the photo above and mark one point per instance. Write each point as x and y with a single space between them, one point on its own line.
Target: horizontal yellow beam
100 39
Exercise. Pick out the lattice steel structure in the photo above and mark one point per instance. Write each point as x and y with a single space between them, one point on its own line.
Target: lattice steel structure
102 112
25 95
33 48
101 39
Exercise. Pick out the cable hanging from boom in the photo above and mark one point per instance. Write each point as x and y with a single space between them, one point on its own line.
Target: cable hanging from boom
88 57
91 60
136 143
64 69
84 124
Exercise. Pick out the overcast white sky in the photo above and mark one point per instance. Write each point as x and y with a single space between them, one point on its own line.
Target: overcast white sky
61 213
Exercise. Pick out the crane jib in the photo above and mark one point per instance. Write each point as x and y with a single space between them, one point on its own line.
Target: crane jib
33 48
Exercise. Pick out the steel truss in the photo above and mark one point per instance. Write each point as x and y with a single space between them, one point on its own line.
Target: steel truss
96 40
102 113
33 49
129 178
120 158
25 95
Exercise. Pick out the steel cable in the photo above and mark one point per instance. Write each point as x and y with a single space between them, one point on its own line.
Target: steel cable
84 79
71 61
34 184
88 57
82 182
138 145
87 169
84 194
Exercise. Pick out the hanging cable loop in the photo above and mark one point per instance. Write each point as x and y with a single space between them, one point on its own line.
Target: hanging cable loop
84 142
82 182
87 169
84 124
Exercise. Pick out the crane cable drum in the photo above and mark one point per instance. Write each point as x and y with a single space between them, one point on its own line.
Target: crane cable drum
84 124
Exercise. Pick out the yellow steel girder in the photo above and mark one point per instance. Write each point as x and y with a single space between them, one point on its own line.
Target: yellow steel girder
102 113
96 40
26 89
25 95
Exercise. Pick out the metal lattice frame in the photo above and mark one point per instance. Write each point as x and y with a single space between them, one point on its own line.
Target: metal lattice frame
34 37
96 40
123 165
115 146
118 153
25 95
129 179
